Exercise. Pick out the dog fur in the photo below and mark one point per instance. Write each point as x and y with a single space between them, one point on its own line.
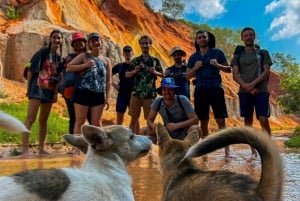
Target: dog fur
11 124
102 176
184 181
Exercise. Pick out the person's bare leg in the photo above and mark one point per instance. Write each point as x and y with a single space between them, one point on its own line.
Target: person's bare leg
32 110
221 125
132 124
97 113
248 121
43 119
120 118
81 113
137 127
264 123
204 127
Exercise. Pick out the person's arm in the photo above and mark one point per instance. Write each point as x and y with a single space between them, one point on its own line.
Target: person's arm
192 120
225 67
191 72
237 78
263 76
150 120
156 69
80 63
108 81
133 72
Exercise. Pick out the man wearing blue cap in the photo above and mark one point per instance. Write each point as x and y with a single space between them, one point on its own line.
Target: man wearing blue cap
176 112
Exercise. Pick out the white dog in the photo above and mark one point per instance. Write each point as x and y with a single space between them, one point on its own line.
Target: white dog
11 124
103 175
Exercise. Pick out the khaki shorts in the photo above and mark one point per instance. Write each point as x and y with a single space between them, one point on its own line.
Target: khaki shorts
135 106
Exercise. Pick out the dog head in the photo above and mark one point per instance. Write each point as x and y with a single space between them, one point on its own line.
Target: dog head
171 151
114 139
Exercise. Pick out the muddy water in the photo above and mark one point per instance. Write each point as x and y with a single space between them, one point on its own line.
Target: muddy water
146 178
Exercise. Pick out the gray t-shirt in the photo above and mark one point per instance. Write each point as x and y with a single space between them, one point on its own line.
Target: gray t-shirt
176 113
248 67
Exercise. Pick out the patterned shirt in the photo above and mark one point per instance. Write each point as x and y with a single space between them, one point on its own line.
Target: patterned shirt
144 81
94 79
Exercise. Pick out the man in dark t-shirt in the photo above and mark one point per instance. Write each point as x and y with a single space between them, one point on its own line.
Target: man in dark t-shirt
178 72
125 84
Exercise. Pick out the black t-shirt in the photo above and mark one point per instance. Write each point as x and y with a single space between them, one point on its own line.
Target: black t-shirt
125 83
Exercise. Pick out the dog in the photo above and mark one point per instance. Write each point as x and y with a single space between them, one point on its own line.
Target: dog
184 181
11 124
102 176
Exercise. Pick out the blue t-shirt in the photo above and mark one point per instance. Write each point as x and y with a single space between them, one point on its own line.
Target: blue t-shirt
125 84
207 75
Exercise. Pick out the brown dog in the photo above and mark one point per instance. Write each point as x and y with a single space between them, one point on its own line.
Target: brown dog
184 181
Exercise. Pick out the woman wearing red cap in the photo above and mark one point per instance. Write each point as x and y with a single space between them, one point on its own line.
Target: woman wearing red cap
79 46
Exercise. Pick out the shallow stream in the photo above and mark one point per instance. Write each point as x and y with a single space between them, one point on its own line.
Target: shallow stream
146 178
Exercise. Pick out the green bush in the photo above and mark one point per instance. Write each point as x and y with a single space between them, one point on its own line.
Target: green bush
56 125
12 13
295 140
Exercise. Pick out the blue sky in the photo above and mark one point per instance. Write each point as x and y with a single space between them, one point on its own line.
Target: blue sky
277 22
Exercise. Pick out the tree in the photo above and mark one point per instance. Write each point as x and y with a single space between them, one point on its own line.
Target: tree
173 8
287 66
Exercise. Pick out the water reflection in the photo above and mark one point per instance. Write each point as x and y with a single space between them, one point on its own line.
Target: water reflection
146 178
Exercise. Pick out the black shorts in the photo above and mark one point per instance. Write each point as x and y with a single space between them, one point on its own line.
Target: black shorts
204 97
259 102
122 103
88 98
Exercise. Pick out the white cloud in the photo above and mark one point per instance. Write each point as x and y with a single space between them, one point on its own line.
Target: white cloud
287 24
208 9
272 6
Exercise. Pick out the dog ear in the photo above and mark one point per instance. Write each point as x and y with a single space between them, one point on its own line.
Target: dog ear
77 141
162 134
192 137
96 136
12 124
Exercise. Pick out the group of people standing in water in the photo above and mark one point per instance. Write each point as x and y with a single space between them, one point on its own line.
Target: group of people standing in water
137 90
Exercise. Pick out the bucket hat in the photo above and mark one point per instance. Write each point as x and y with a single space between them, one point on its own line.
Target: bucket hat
167 82
177 49
77 36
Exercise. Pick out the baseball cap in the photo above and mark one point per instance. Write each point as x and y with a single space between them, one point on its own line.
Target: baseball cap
127 48
92 35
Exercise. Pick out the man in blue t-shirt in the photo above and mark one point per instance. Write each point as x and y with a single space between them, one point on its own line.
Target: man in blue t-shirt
124 86
205 65
178 72
176 112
